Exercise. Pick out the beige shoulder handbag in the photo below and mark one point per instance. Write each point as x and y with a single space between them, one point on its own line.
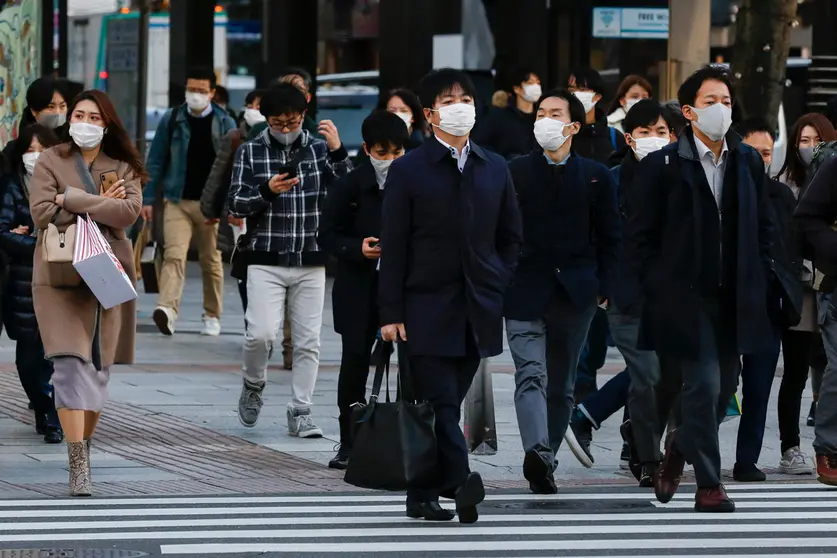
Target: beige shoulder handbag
58 246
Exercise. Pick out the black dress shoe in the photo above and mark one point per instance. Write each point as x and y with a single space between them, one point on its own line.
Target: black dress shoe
341 460
40 423
430 511
539 474
646 479
53 435
471 493
748 472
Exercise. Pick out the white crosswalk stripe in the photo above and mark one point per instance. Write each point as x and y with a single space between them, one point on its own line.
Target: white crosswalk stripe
788 520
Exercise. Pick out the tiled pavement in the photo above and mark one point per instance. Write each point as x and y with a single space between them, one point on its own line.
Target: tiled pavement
171 427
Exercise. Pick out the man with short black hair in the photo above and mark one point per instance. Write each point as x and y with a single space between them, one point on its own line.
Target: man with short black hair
700 235
450 239
350 231
596 140
279 184
179 163
300 79
571 233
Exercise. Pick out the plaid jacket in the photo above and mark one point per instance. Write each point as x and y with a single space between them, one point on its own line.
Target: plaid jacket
285 225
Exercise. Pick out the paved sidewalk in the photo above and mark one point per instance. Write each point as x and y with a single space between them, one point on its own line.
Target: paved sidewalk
171 425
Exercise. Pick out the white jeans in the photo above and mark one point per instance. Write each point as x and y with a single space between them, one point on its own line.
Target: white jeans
267 287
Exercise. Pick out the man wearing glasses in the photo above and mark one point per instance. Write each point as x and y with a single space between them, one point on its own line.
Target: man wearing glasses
279 183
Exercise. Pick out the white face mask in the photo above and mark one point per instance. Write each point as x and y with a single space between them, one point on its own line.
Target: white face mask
645 146
197 101
586 98
806 155
714 120
532 92
629 103
86 136
286 139
457 120
381 167
407 117
29 160
52 120
549 134
253 116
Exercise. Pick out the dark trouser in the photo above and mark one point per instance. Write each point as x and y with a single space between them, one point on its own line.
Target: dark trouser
709 381
818 362
35 373
644 371
351 384
545 354
757 373
593 355
604 403
796 352
669 412
444 382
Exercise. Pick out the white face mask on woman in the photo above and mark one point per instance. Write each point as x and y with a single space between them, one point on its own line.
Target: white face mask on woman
87 136
586 98
29 160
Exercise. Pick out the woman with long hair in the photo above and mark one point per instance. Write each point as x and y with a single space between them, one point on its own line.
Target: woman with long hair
17 241
98 173
801 343
405 104
632 90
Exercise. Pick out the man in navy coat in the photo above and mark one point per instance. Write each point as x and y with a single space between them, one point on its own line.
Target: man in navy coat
699 236
572 231
450 240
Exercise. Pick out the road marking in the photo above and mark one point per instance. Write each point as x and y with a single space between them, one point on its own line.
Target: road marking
425 529
361 498
496 546
670 517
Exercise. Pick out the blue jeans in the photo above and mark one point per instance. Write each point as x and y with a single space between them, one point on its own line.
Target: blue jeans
757 373
594 353
604 403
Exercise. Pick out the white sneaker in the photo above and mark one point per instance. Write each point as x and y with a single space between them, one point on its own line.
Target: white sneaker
794 462
211 326
164 319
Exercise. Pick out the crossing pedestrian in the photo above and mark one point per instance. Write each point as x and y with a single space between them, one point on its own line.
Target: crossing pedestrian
701 235
82 339
632 90
508 130
563 276
279 185
450 238
350 231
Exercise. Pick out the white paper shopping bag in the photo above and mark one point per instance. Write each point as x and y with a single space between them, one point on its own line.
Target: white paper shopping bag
95 262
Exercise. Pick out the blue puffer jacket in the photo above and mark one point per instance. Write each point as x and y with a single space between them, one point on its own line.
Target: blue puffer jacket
18 311
173 177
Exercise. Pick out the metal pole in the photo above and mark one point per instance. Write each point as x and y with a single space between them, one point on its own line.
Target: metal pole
142 78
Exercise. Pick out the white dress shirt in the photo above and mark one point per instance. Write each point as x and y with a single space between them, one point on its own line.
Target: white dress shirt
714 170
460 159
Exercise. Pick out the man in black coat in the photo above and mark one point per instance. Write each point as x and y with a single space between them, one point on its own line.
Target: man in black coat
450 239
701 233
571 232
349 231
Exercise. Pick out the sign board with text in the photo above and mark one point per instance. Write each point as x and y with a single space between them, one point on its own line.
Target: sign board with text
630 23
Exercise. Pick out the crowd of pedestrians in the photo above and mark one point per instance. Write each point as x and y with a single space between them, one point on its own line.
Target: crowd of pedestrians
652 227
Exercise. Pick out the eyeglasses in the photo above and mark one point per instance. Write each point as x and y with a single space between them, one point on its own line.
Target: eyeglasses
289 125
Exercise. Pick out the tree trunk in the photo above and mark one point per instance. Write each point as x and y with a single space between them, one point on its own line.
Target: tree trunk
760 54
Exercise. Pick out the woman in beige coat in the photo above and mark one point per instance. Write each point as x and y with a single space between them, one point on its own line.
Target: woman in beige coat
98 173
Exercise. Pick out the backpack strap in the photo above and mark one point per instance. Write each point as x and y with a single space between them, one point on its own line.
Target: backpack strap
613 137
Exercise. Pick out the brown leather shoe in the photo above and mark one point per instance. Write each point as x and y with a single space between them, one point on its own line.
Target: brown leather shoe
667 479
713 500
827 469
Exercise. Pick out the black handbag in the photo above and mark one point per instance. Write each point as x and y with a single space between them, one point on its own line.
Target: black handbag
791 294
394 442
